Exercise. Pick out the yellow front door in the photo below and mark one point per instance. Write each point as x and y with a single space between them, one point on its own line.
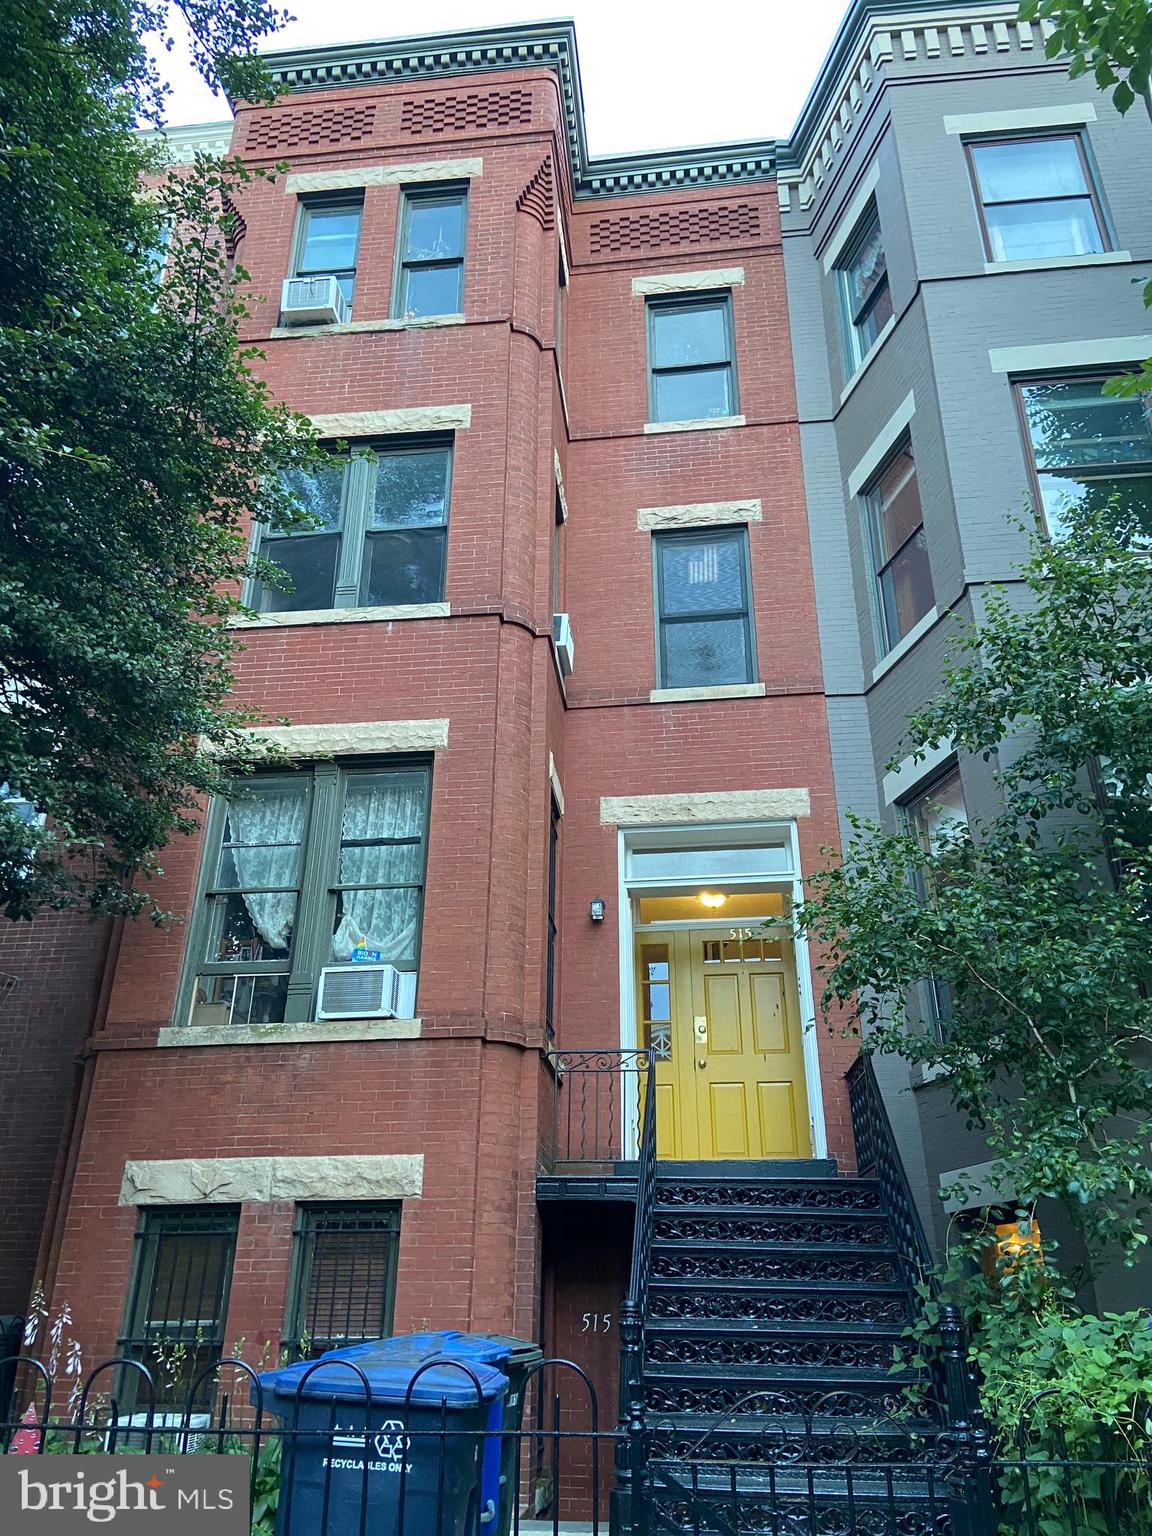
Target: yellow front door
721 1007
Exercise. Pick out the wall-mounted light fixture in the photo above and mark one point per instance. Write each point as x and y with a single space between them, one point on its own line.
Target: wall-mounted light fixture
715 899
596 909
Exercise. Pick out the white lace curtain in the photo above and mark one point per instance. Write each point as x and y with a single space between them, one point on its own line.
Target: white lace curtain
381 806
270 825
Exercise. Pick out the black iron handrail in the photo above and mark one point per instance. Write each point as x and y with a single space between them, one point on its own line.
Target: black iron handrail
878 1157
597 1105
635 1306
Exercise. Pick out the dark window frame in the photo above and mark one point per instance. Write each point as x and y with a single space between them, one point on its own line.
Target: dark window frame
357 497
138 1335
427 194
872 514
1081 376
319 886
1103 227
936 996
737 535
852 319
719 299
378 1218
306 206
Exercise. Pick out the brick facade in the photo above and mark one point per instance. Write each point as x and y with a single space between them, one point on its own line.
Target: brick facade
467 1094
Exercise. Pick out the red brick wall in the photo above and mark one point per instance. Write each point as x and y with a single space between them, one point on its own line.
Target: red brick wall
58 961
467 1094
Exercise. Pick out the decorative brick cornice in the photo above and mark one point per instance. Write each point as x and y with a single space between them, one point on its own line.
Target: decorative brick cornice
873 34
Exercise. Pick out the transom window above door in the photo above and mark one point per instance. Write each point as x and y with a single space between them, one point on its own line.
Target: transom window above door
691 368
1037 198
379 536
703 609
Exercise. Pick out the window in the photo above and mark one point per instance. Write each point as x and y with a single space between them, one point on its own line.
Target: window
553 861
934 816
898 548
1087 448
557 554
691 376
704 619
431 275
1036 198
343 1276
865 302
326 240
314 868
174 1320
381 536
13 801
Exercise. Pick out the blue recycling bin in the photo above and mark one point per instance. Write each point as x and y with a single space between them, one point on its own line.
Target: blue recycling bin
350 1457
514 1358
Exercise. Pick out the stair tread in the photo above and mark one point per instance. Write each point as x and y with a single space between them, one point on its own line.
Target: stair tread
826 1426
771 1212
746 1245
775 1325
728 1283
706 1370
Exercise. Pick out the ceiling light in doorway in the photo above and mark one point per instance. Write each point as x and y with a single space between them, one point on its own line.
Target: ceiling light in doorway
711 898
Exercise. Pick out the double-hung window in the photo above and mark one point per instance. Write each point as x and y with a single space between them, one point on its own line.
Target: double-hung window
703 609
691 368
327 238
862 279
1089 449
897 546
304 870
1037 198
379 534
177 1301
343 1276
430 276
936 816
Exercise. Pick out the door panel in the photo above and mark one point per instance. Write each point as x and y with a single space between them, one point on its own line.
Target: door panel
722 1004
779 1132
723 1013
770 1032
751 1093
727 1109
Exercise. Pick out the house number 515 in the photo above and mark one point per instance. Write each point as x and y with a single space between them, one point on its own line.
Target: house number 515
596 1322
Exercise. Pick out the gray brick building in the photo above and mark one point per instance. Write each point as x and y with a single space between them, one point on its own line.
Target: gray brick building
963 227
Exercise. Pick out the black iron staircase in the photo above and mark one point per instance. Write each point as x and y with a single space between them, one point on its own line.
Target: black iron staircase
766 1368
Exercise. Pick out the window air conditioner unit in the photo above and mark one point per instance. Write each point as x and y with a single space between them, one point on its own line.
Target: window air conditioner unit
358 992
312 301
564 643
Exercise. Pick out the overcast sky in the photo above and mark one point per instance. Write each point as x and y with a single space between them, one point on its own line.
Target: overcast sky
655 76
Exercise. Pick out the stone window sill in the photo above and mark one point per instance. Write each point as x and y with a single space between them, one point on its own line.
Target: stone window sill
865 362
1048 263
355 327
917 632
725 691
319 1032
703 425
345 616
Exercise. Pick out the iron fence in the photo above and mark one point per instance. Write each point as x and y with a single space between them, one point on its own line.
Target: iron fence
354 1467
597 1107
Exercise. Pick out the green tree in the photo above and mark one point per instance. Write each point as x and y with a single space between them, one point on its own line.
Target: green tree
134 440
1037 916
1112 39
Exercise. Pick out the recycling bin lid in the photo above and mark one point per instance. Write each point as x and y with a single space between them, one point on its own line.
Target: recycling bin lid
389 1365
455 1344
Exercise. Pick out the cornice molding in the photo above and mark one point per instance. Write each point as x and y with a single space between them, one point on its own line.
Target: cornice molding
873 33
182 144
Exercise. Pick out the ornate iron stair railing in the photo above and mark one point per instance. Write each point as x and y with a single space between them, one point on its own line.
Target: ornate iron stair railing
635 1306
878 1157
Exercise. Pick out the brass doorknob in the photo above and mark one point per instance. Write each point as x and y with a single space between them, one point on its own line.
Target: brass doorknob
701 1062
